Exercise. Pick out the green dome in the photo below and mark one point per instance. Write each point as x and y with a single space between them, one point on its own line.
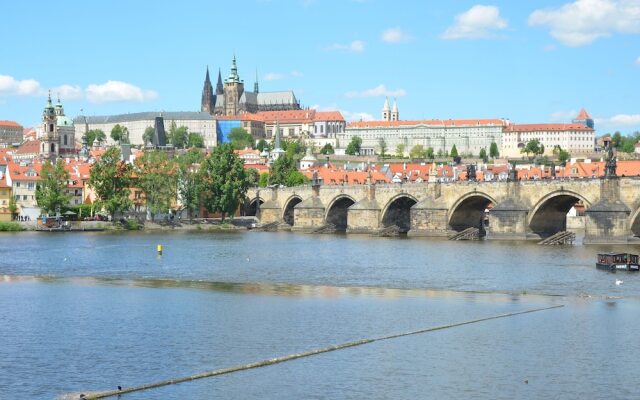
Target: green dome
64 121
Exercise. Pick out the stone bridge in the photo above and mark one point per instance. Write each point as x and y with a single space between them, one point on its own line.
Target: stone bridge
520 209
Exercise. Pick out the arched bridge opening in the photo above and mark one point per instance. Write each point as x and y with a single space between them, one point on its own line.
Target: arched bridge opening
549 216
398 213
471 212
337 213
251 207
288 215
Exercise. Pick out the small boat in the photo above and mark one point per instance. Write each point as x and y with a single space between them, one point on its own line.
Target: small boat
618 262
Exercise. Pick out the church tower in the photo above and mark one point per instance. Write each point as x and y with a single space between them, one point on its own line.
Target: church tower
49 139
208 98
584 118
394 112
233 90
255 85
386 114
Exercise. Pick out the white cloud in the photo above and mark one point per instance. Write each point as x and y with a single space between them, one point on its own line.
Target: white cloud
12 87
357 46
583 21
113 91
356 116
638 61
395 35
479 22
379 90
626 119
273 76
68 92
296 74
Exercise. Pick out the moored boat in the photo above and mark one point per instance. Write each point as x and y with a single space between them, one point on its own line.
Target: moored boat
618 262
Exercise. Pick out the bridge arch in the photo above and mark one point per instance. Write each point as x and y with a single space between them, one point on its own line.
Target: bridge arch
469 211
250 208
337 211
549 215
287 213
397 211
634 223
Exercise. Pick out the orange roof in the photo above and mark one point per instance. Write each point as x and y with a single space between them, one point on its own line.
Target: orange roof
29 147
546 127
18 171
12 124
328 116
583 115
431 122
259 167
288 116
338 177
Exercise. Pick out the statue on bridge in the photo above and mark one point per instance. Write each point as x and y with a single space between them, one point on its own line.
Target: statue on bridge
610 165
471 173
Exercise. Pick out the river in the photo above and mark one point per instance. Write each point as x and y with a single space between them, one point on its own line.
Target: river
90 311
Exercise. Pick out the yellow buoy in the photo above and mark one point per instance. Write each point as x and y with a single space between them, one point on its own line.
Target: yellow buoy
159 248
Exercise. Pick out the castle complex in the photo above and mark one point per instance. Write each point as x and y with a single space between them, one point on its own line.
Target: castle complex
231 98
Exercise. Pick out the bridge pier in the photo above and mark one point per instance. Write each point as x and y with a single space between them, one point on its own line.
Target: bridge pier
508 221
270 210
365 215
309 213
607 221
429 217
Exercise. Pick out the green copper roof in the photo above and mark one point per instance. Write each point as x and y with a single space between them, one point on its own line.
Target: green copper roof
64 121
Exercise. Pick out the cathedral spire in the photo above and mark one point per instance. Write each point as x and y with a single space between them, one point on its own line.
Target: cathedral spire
208 101
255 85
219 87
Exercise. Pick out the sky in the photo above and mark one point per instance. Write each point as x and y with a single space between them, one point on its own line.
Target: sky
535 61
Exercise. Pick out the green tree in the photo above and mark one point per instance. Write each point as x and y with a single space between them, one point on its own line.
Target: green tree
327 149
180 137
240 139
563 156
189 180
354 146
400 150
253 176
294 148
281 169
454 151
225 181
296 178
110 178
483 154
195 140
440 153
92 135
51 192
264 180
429 153
147 136
262 144
157 179
117 133
616 139
13 206
533 147
382 144
493 150
416 151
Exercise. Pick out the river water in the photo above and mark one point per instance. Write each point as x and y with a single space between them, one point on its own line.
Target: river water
90 311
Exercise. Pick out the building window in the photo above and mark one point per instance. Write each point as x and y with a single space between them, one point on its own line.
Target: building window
50 127
65 140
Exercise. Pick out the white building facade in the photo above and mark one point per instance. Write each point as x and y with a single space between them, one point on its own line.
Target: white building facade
575 138
136 123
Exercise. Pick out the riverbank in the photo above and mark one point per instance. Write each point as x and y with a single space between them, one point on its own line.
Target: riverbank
201 224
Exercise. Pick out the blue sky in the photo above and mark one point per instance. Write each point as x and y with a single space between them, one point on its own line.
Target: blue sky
529 61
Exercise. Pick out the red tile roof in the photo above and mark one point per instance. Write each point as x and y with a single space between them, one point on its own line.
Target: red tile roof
546 127
29 147
431 122
329 116
583 115
12 124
